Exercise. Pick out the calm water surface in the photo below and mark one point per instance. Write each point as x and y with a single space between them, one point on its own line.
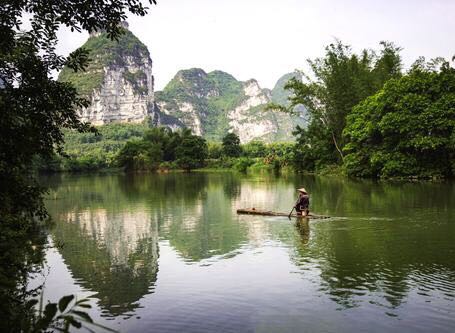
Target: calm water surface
168 253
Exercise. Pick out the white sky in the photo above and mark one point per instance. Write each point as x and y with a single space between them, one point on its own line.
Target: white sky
264 39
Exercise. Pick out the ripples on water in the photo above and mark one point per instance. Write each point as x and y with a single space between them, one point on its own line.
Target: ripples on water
168 253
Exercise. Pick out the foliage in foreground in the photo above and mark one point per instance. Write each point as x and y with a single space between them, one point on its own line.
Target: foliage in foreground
59 316
407 128
35 110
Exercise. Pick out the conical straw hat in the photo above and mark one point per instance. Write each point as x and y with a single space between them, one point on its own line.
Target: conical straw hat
302 190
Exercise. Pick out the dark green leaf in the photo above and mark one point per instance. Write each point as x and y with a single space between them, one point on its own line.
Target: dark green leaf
50 310
64 301
83 315
48 315
73 322
31 303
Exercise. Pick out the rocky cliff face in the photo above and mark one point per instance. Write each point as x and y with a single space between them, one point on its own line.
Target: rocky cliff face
119 84
249 120
280 96
213 104
118 81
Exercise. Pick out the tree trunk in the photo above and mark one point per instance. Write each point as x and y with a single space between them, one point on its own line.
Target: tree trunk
337 147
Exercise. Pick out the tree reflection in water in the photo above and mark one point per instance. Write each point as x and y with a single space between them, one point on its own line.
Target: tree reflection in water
385 241
382 248
108 226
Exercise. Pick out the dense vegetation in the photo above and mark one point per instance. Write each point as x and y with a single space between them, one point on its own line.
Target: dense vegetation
372 119
407 128
181 149
93 151
140 147
342 80
367 118
231 145
35 110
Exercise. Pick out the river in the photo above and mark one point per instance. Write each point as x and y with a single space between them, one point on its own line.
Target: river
168 253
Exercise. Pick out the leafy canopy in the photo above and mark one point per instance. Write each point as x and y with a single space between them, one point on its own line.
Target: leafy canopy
407 128
339 81
34 110
191 152
231 145
158 144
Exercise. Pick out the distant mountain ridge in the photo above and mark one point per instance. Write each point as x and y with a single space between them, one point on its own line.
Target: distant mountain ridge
215 103
119 83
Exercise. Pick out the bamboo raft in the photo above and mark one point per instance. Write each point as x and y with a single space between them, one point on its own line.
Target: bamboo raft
254 211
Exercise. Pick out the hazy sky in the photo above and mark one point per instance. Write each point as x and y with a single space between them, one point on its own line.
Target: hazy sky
264 39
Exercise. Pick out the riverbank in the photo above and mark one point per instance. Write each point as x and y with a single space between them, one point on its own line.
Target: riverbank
156 149
257 167
212 165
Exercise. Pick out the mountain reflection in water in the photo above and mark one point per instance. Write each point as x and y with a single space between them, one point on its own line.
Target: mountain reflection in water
149 245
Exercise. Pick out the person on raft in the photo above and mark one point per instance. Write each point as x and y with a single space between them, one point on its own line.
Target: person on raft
303 203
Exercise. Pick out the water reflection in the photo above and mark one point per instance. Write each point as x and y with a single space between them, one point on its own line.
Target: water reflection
386 244
303 227
109 246
197 217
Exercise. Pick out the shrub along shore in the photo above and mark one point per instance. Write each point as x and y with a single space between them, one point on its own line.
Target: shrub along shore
138 147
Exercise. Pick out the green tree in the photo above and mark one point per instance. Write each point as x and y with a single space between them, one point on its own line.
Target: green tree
313 149
87 151
192 152
173 141
215 150
140 155
341 80
166 138
407 128
35 108
231 145
254 149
